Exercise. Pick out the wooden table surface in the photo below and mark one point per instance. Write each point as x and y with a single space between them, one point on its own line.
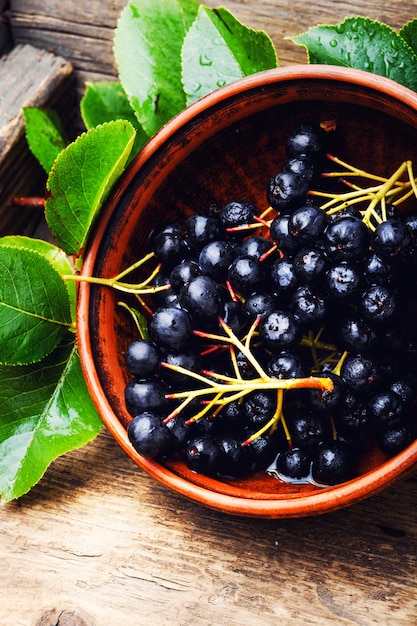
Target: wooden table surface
98 542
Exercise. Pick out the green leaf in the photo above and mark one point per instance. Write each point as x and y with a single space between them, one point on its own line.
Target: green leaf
34 306
362 43
218 49
139 319
81 178
45 134
56 257
107 101
147 48
46 412
409 34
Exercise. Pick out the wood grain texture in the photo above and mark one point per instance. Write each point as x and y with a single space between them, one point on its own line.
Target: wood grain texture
99 543
29 76
87 42
99 537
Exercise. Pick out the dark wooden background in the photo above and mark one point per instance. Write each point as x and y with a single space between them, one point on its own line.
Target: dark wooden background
97 542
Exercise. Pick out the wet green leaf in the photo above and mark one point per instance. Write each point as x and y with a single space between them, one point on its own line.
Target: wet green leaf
147 49
219 49
363 44
46 411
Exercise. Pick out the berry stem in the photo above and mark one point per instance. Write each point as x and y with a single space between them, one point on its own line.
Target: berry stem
336 370
249 385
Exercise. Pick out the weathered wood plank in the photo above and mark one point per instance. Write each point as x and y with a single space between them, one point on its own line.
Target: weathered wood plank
87 42
28 77
99 537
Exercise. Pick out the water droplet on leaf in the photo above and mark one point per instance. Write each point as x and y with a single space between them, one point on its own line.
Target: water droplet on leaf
205 60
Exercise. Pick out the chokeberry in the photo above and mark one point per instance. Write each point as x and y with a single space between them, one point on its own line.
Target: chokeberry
202 298
148 434
171 327
142 358
332 464
287 191
346 239
280 329
307 139
294 463
145 395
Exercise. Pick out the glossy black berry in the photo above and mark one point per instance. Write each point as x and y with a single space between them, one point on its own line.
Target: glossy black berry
287 191
346 238
283 277
170 248
309 265
216 257
246 274
386 408
392 240
353 415
294 463
378 271
343 281
145 395
308 429
148 435
202 298
279 330
361 373
260 304
236 460
393 440
303 165
307 139
202 229
142 358
307 223
259 407
308 306
203 455
171 327
379 304
182 273
189 360
237 213
356 335
255 247
328 400
234 315
285 364
332 464
281 235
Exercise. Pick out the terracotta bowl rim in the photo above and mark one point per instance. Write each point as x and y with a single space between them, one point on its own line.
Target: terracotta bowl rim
288 506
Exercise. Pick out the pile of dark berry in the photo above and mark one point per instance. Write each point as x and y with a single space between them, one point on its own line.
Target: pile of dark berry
282 340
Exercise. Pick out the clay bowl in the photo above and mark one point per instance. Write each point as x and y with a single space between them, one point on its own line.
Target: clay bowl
227 146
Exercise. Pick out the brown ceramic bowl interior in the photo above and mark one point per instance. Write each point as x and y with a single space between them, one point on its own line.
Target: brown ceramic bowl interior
224 147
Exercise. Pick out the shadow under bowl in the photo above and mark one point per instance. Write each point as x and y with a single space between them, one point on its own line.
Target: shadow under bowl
227 146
